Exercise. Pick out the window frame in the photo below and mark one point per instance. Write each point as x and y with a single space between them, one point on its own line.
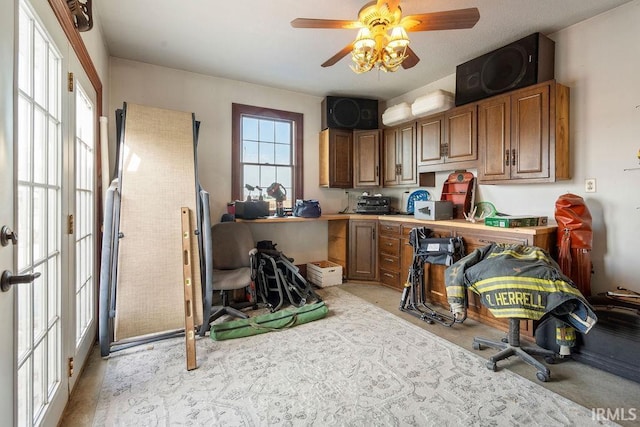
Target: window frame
296 119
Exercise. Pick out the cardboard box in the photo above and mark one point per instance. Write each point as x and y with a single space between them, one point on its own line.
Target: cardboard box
515 221
433 209
324 273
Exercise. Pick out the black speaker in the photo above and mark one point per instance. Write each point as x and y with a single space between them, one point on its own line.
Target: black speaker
527 61
349 113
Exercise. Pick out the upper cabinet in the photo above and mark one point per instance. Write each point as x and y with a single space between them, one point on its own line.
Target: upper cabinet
366 158
399 156
349 158
336 158
523 136
448 140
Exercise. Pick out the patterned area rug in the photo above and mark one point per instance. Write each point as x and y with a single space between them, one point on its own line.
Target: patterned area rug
359 366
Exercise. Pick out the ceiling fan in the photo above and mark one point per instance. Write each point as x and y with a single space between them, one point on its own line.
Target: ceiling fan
382 39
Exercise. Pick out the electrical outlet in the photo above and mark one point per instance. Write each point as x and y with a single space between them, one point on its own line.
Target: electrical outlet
590 185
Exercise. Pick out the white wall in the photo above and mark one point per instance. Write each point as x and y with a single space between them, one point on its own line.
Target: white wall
210 98
599 59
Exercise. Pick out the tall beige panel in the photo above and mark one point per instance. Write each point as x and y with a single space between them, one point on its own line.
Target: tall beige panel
158 178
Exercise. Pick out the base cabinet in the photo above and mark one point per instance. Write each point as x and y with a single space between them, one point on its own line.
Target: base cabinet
363 250
389 254
476 310
395 257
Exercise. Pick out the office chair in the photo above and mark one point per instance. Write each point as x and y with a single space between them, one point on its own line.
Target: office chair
232 249
518 282
511 347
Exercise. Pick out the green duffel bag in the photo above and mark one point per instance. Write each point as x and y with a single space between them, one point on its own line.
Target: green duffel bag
269 322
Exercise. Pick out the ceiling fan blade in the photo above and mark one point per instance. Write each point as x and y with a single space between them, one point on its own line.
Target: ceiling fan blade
324 23
411 60
338 56
448 20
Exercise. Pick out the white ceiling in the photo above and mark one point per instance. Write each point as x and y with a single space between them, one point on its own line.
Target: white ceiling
253 41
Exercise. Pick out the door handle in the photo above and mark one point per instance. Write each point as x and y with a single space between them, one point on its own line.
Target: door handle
6 235
8 279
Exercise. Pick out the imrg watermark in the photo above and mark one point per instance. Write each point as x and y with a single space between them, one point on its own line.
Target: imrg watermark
615 414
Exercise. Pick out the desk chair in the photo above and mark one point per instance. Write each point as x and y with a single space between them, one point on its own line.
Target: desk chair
517 282
232 249
512 347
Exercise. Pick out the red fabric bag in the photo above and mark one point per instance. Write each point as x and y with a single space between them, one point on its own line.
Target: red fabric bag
575 240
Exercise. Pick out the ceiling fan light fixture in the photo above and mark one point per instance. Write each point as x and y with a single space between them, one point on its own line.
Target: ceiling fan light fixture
364 40
398 38
385 50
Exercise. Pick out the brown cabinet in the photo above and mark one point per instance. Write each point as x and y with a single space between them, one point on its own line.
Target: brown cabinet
395 257
363 249
523 136
474 239
389 254
448 140
336 158
430 140
366 158
399 156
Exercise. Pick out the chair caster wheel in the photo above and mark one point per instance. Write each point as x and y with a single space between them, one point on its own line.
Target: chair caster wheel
492 366
542 376
550 359
476 346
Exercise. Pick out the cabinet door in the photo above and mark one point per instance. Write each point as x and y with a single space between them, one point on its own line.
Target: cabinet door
494 135
362 249
461 134
530 133
406 145
390 158
336 158
430 137
366 158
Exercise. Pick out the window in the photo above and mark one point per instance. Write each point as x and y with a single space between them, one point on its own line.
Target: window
267 149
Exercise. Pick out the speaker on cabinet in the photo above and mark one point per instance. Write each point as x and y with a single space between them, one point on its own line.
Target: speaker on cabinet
527 61
349 113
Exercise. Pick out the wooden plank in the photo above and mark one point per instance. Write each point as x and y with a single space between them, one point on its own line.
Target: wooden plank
187 273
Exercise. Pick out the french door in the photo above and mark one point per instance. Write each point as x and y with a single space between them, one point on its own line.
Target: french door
7 323
55 216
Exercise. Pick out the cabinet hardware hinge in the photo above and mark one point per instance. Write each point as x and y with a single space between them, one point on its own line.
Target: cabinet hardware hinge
70 224
70 367
70 82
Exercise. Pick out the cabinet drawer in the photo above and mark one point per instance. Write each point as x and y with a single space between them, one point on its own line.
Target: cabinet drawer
390 278
389 228
437 232
389 245
476 240
389 262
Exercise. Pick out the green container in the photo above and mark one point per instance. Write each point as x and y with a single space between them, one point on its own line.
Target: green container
515 221
269 322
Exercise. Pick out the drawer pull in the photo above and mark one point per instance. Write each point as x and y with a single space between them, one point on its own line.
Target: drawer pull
389 275
486 241
389 260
